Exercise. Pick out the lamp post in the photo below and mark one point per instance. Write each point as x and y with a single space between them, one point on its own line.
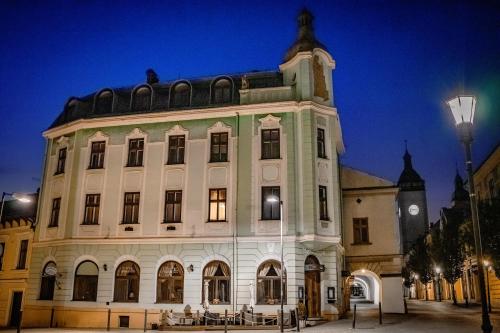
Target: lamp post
487 267
275 199
463 108
438 278
18 196
416 286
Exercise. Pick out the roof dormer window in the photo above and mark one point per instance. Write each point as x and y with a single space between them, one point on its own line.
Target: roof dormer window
104 102
221 92
141 99
181 95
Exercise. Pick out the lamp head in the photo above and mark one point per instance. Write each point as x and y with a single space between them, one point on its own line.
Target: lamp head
21 197
486 263
438 270
462 108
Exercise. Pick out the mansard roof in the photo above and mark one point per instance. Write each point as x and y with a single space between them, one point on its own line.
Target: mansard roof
161 92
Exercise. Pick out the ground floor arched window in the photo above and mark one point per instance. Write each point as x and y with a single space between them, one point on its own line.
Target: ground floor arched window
170 283
85 288
218 276
48 281
127 279
268 283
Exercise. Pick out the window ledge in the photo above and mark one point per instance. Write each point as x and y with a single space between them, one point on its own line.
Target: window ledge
129 223
324 158
58 174
270 220
364 243
175 164
217 221
136 167
171 222
271 159
218 162
326 219
99 168
89 224
52 226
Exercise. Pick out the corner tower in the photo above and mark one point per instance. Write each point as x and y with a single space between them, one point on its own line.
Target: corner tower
412 204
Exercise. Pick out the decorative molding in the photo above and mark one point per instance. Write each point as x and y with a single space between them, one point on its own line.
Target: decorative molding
137 133
176 130
270 121
99 136
63 141
219 127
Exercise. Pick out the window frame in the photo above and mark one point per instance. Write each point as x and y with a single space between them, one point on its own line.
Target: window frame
323 203
172 279
47 281
54 213
181 98
61 160
129 278
273 206
89 279
176 194
321 142
135 155
104 101
23 254
135 207
359 224
222 93
94 207
262 280
137 102
97 154
274 153
217 282
218 202
219 157
180 151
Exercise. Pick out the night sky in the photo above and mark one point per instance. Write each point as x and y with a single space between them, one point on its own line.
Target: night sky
397 63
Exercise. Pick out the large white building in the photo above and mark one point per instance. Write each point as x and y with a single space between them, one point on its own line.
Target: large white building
150 193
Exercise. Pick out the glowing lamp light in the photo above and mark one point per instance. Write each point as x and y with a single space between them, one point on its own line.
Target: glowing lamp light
272 198
462 108
486 263
438 270
416 276
21 197
363 270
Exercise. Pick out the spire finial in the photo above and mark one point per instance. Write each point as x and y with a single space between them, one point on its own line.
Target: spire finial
406 145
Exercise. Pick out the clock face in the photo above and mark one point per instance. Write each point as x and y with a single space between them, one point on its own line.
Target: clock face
413 209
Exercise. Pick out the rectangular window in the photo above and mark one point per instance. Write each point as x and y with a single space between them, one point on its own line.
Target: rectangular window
360 229
218 147
321 143
323 206
176 149
271 203
54 216
173 206
97 155
270 144
135 152
2 251
61 161
217 205
131 208
92 202
23 253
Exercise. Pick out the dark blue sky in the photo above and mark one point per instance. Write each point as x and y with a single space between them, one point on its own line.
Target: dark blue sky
397 62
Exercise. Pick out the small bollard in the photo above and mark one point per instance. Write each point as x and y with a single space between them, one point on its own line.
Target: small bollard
52 318
354 317
145 319
225 321
109 319
406 307
380 313
198 317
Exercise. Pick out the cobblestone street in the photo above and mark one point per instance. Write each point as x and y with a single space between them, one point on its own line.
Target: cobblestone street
423 317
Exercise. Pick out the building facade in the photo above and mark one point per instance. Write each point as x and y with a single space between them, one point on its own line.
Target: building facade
16 239
156 197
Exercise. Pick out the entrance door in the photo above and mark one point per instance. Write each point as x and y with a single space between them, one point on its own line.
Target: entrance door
313 287
15 310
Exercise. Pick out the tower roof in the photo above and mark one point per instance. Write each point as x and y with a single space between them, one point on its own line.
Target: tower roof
306 40
460 194
409 178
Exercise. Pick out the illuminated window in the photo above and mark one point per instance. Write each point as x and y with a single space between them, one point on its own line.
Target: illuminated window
268 283
170 283
270 209
127 279
217 205
218 275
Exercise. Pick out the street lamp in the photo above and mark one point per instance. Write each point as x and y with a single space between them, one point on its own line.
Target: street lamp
438 272
416 285
487 266
275 199
18 196
463 108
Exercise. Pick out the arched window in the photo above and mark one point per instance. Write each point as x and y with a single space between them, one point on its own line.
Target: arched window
141 99
85 288
48 281
268 283
218 276
221 91
104 102
170 283
127 282
181 95
71 108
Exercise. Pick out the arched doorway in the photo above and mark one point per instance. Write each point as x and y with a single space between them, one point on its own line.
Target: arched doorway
312 279
365 288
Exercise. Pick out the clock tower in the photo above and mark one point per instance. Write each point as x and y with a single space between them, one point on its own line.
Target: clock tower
412 204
